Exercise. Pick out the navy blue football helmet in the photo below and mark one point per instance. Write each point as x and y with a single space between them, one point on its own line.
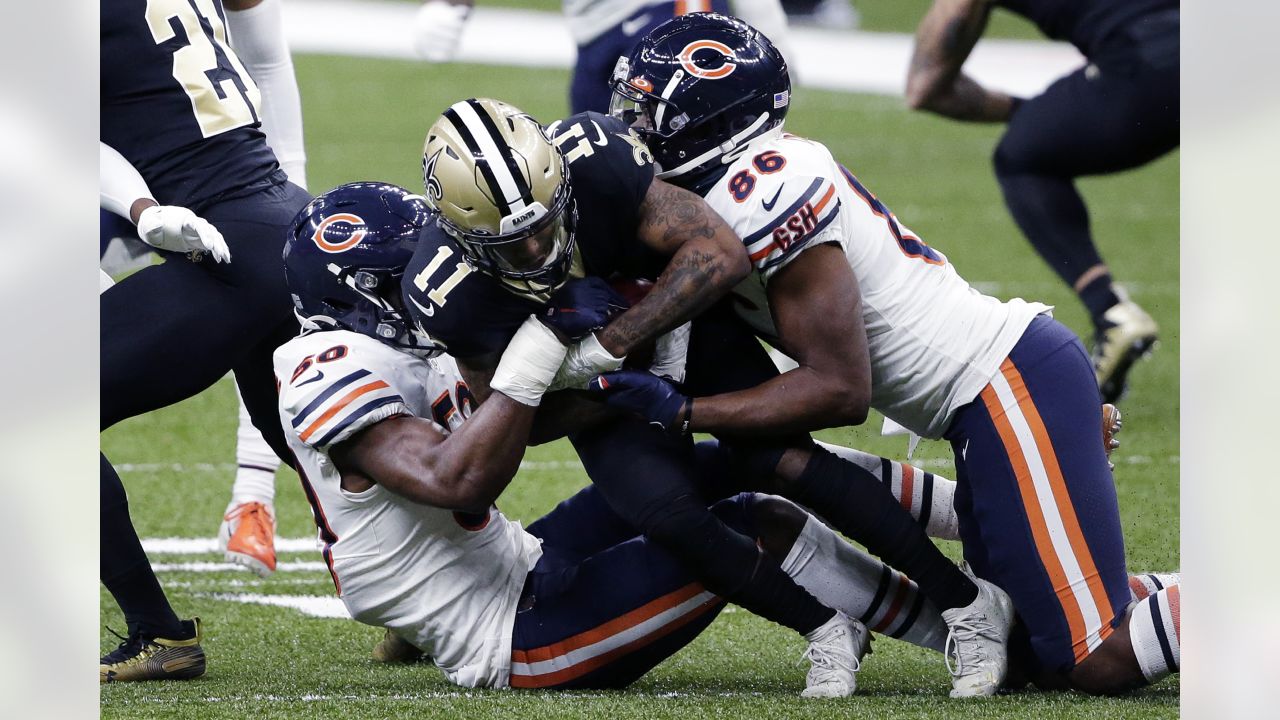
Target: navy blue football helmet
345 256
698 88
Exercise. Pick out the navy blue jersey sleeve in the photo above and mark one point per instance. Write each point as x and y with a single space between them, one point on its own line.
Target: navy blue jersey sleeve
610 170
178 103
466 311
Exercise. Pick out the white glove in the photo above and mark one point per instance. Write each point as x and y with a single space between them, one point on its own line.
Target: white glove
177 229
670 353
529 362
586 359
437 28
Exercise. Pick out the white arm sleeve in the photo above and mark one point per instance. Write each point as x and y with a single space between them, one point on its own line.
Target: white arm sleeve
257 34
768 17
119 184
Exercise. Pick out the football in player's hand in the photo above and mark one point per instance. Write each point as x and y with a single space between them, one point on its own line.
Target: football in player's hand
632 290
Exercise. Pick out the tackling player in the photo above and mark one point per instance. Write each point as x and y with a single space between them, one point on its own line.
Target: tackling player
178 105
518 215
402 471
1119 111
870 311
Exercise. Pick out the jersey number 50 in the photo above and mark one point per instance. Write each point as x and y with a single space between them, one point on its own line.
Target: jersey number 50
223 96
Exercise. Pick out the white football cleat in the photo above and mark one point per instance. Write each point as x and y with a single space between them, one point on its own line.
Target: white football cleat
835 652
247 536
977 650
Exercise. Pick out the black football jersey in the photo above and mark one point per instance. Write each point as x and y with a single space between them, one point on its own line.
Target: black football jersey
471 313
1090 25
177 103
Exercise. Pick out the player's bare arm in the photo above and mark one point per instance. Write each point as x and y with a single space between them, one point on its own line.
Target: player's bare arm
464 471
935 81
707 261
559 414
832 385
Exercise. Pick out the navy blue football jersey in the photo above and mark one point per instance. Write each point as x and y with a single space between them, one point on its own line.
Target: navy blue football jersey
473 314
178 104
1090 25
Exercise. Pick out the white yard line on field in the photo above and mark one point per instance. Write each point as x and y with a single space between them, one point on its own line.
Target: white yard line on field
828 59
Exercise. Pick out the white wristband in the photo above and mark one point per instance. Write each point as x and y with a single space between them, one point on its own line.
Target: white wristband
529 363
585 359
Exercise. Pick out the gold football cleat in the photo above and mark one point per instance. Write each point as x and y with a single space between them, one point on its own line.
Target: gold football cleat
1128 333
154 658
1110 428
394 649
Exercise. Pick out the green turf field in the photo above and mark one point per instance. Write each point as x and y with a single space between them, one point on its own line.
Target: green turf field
365 120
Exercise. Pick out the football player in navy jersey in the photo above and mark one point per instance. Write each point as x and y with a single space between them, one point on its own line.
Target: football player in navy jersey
178 105
1119 111
516 218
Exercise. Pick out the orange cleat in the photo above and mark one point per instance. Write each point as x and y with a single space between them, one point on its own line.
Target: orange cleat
248 535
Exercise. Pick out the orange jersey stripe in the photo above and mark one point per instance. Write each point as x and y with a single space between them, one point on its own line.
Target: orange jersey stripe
1175 610
817 209
681 8
1066 510
908 486
762 252
346 400
613 627
1039 528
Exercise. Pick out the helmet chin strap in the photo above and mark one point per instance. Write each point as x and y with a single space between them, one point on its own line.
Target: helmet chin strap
721 149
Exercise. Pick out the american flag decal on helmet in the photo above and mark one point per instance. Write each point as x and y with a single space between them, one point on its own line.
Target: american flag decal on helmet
781 99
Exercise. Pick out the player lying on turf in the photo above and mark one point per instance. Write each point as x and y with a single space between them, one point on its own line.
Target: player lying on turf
402 488
877 318
518 214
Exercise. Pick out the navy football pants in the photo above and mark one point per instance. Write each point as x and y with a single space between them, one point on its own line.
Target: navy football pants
1036 499
602 606
171 330
1117 113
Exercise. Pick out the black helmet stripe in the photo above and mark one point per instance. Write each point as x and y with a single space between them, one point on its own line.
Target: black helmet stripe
486 119
493 155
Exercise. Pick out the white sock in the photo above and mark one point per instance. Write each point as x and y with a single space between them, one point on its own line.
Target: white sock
1140 586
844 578
256 463
928 497
1155 632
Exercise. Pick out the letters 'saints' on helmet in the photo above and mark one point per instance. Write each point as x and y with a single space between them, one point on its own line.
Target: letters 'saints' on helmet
345 257
697 88
501 189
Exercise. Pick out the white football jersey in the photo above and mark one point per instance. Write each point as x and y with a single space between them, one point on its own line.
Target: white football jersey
934 341
447 582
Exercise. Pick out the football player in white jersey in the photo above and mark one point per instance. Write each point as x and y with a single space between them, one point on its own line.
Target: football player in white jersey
877 318
402 488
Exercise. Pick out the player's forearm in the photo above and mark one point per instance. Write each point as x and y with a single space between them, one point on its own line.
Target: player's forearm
702 271
966 100
802 400
478 461
946 36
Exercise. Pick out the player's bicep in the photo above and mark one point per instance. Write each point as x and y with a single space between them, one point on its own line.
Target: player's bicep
671 216
391 453
817 309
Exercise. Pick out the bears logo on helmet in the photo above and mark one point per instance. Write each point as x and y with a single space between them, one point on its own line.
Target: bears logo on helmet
728 62
349 228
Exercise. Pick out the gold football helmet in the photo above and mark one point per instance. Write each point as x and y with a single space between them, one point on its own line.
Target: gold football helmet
501 189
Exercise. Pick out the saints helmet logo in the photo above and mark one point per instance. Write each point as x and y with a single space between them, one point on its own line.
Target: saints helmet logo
712 67
434 191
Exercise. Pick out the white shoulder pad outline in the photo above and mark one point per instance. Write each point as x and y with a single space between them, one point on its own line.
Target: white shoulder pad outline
328 399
